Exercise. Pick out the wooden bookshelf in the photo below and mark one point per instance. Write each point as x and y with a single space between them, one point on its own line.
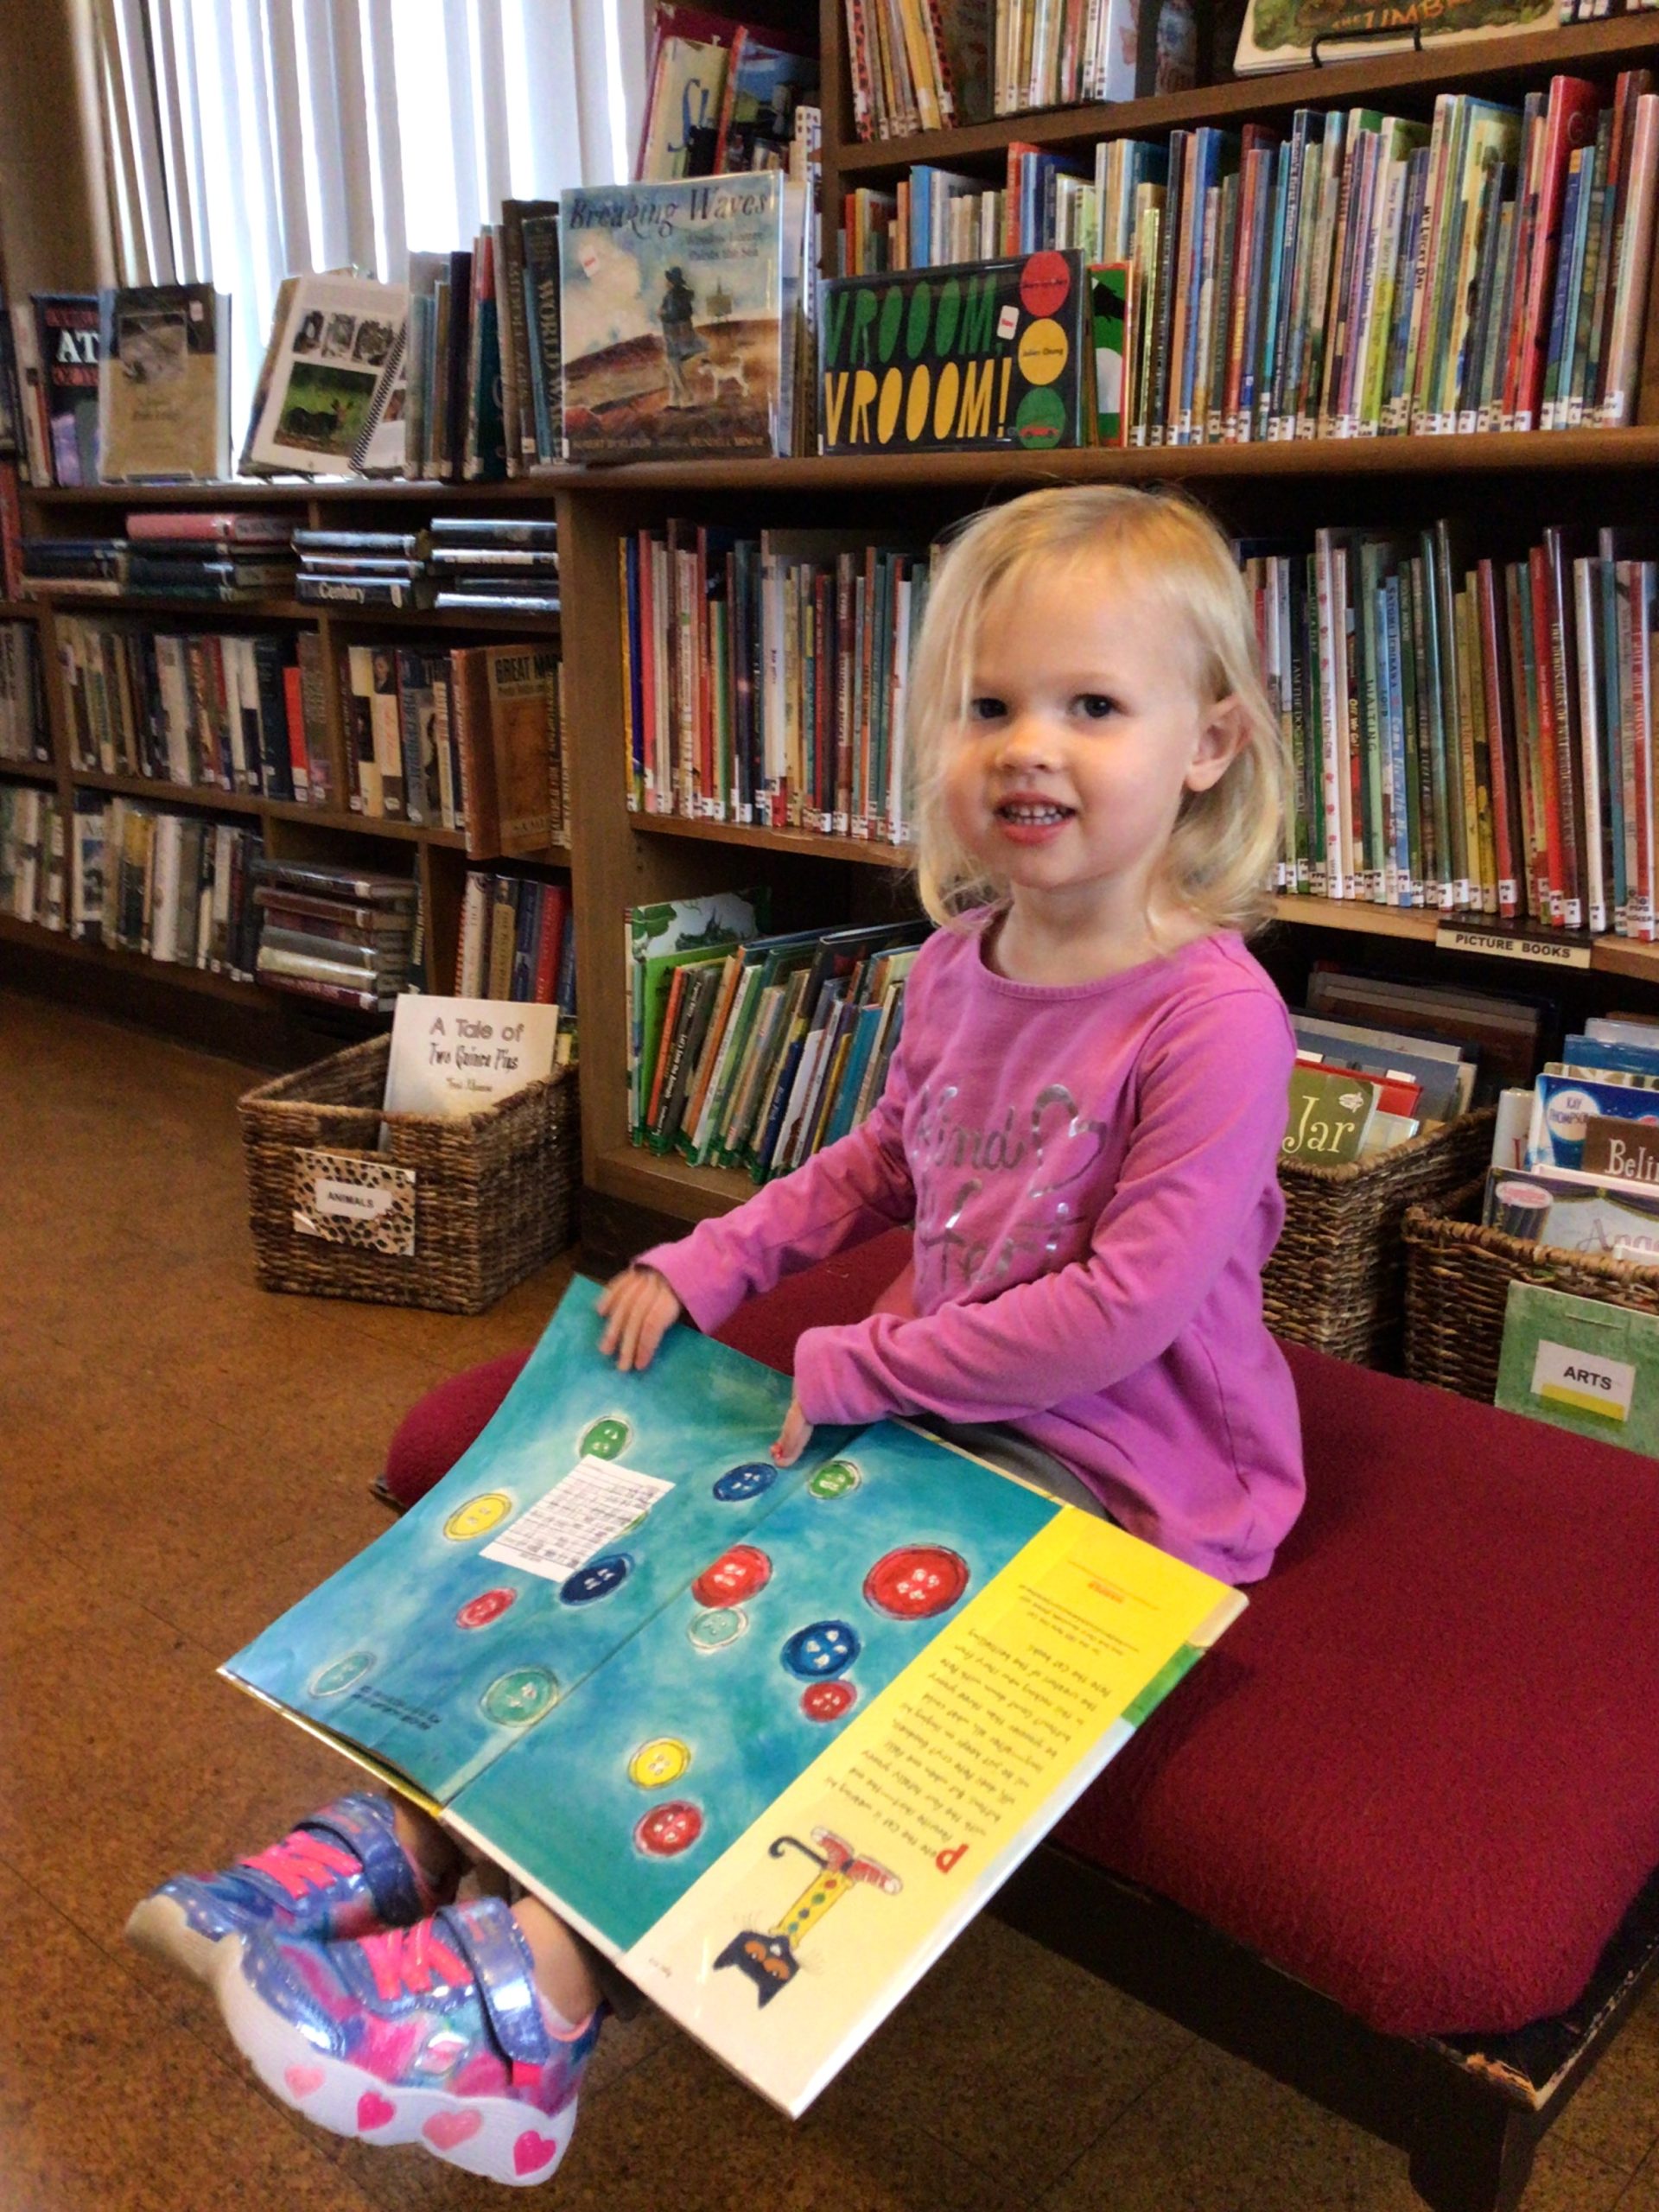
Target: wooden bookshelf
435 856
620 858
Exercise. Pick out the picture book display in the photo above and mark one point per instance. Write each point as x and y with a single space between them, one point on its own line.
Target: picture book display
164 384
678 304
980 357
454 1057
336 354
769 1737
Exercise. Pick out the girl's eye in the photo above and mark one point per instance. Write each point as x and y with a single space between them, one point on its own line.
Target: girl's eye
986 709
1094 705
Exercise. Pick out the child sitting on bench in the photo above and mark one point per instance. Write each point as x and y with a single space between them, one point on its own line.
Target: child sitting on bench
1083 1118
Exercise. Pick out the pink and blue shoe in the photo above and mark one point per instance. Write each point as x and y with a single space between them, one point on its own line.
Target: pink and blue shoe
341 1874
435 2035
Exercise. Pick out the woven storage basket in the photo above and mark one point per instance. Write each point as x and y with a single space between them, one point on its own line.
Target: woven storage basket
492 1192
1458 1278
1336 1280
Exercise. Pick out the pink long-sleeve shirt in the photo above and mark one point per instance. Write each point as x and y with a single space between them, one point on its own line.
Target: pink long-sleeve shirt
1091 1173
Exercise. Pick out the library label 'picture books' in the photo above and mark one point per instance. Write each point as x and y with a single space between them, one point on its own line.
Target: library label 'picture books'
769 1737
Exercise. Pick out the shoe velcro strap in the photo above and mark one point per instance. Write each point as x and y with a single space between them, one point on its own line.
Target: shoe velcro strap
364 1824
492 1943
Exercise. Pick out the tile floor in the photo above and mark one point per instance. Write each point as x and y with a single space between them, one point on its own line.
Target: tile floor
183 1457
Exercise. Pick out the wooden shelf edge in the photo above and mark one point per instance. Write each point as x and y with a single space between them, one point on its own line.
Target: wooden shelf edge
30 772
153 788
669 1185
1482 454
133 964
19 610
807 842
1442 65
299 492
1359 915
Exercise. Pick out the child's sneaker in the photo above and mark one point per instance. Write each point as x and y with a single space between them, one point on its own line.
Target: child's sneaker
342 1872
435 2035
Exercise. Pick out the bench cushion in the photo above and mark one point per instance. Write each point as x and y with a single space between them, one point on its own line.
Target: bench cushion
1421 1772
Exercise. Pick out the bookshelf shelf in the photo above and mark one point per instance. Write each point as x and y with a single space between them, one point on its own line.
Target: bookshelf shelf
1491 65
668 1186
32 772
206 796
201 980
18 610
218 612
1357 915
805 841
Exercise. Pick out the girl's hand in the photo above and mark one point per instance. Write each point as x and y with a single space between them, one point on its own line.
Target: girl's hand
640 1310
797 1436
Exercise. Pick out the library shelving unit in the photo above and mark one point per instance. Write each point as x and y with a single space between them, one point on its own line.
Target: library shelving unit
1507 487
272 1024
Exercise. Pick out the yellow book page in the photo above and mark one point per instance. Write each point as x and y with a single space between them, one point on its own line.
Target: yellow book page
794 1946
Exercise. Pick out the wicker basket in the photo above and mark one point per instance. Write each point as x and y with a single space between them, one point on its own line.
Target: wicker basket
492 1192
1336 1280
1458 1278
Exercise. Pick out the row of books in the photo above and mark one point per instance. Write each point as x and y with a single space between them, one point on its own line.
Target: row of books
24 734
517 941
1364 277
766 676
1367 275
175 887
32 850
721 96
468 739
220 710
1470 734
754 1050
344 937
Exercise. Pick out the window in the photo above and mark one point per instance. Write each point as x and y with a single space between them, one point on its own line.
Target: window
253 139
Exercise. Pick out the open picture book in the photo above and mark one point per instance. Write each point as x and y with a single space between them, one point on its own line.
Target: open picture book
769 1737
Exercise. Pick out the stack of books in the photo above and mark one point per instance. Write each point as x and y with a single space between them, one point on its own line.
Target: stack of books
496 567
517 941
469 739
230 712
23 731
363 568
766 676
81 568
340 935
172 886
752 1050
173 555
32 848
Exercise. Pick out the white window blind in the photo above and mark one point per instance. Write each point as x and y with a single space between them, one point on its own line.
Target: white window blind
249 140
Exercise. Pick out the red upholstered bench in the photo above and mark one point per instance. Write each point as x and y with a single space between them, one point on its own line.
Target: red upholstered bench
1394 1839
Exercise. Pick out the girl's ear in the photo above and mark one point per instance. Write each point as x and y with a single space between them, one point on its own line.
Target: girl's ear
1222 735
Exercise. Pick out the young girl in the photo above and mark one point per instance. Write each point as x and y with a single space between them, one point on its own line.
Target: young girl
1082 1121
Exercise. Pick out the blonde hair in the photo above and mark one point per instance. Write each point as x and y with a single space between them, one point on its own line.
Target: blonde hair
1218 861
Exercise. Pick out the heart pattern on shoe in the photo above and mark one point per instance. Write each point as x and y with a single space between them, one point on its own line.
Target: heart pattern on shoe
445 2129
533 2151
304 2081
373 2110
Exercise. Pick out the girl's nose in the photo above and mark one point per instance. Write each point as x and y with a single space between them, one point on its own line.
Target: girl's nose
1027 741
